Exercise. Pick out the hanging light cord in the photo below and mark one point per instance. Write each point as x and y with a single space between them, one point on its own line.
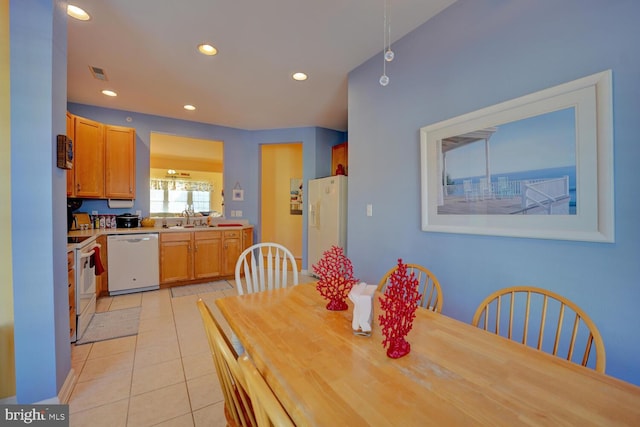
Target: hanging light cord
386 47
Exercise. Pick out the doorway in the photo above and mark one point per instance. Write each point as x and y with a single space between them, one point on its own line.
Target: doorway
282 196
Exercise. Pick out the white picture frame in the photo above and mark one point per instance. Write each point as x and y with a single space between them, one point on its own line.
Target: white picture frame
237 195
593 216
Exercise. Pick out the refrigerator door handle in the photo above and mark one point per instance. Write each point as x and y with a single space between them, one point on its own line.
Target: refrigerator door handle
313 215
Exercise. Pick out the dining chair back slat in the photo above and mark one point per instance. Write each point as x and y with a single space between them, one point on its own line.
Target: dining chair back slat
269 412
428 286
238 407
542 304
264 266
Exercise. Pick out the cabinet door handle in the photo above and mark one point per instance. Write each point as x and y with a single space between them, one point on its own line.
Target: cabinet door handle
196 248
78 186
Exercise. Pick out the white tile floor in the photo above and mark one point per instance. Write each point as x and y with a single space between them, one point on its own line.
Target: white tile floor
164 376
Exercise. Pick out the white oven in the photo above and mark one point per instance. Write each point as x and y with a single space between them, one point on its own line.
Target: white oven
85 285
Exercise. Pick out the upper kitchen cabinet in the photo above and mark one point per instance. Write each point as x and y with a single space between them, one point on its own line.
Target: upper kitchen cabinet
339 156
88 159
120 162
104 160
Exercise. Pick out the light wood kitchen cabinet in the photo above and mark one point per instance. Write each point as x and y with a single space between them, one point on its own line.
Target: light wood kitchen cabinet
88 158
104 160
71 273
102 281
70 135
247 237
120 162
207 258
176 259
231 249
340 155
195 256
190 256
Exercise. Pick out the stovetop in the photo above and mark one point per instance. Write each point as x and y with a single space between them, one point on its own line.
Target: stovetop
78 239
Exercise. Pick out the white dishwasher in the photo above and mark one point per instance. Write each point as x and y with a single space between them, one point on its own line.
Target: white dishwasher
132 263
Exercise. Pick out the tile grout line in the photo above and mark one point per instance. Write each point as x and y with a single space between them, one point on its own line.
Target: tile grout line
133 366
184 374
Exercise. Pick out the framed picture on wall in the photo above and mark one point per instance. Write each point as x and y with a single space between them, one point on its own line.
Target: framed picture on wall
237 195
295 196
538 166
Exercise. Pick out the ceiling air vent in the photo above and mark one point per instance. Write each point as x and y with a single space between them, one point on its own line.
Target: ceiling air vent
98 73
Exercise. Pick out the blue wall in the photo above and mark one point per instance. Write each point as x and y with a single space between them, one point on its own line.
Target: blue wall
475 54
38 225
241 156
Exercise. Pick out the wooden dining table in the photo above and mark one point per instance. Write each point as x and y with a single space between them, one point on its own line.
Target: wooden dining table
455 374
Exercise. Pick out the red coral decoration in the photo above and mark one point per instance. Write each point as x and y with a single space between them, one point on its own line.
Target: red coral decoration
399 302
336 278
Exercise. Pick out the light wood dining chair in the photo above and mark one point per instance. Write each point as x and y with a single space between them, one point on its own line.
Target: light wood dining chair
498 311
238 409
269 412
265 266
428 286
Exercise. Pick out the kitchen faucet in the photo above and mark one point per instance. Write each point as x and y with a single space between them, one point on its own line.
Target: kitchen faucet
187 213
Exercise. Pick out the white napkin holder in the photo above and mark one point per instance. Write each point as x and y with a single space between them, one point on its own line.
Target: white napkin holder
362 297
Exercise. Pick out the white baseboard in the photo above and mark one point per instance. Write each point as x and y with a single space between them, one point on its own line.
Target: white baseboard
50 401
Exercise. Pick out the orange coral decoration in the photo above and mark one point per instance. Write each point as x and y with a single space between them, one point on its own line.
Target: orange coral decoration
399 302
336 278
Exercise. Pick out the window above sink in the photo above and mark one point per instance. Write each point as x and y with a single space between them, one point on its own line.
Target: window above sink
185 174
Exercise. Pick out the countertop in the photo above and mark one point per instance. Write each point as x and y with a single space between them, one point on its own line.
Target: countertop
228 225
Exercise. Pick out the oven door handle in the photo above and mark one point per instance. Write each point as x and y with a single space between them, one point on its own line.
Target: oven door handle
91 252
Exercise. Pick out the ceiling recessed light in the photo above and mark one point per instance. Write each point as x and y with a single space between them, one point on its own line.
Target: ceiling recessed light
299 76
189 107
109 93
207 49
77 13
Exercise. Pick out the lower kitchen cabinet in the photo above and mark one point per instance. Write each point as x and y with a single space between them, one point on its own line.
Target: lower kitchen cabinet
102 281
247 237
176 260
200 255
232 249
207 256
71 273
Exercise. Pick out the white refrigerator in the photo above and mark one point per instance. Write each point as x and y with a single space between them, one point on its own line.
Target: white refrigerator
327 222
